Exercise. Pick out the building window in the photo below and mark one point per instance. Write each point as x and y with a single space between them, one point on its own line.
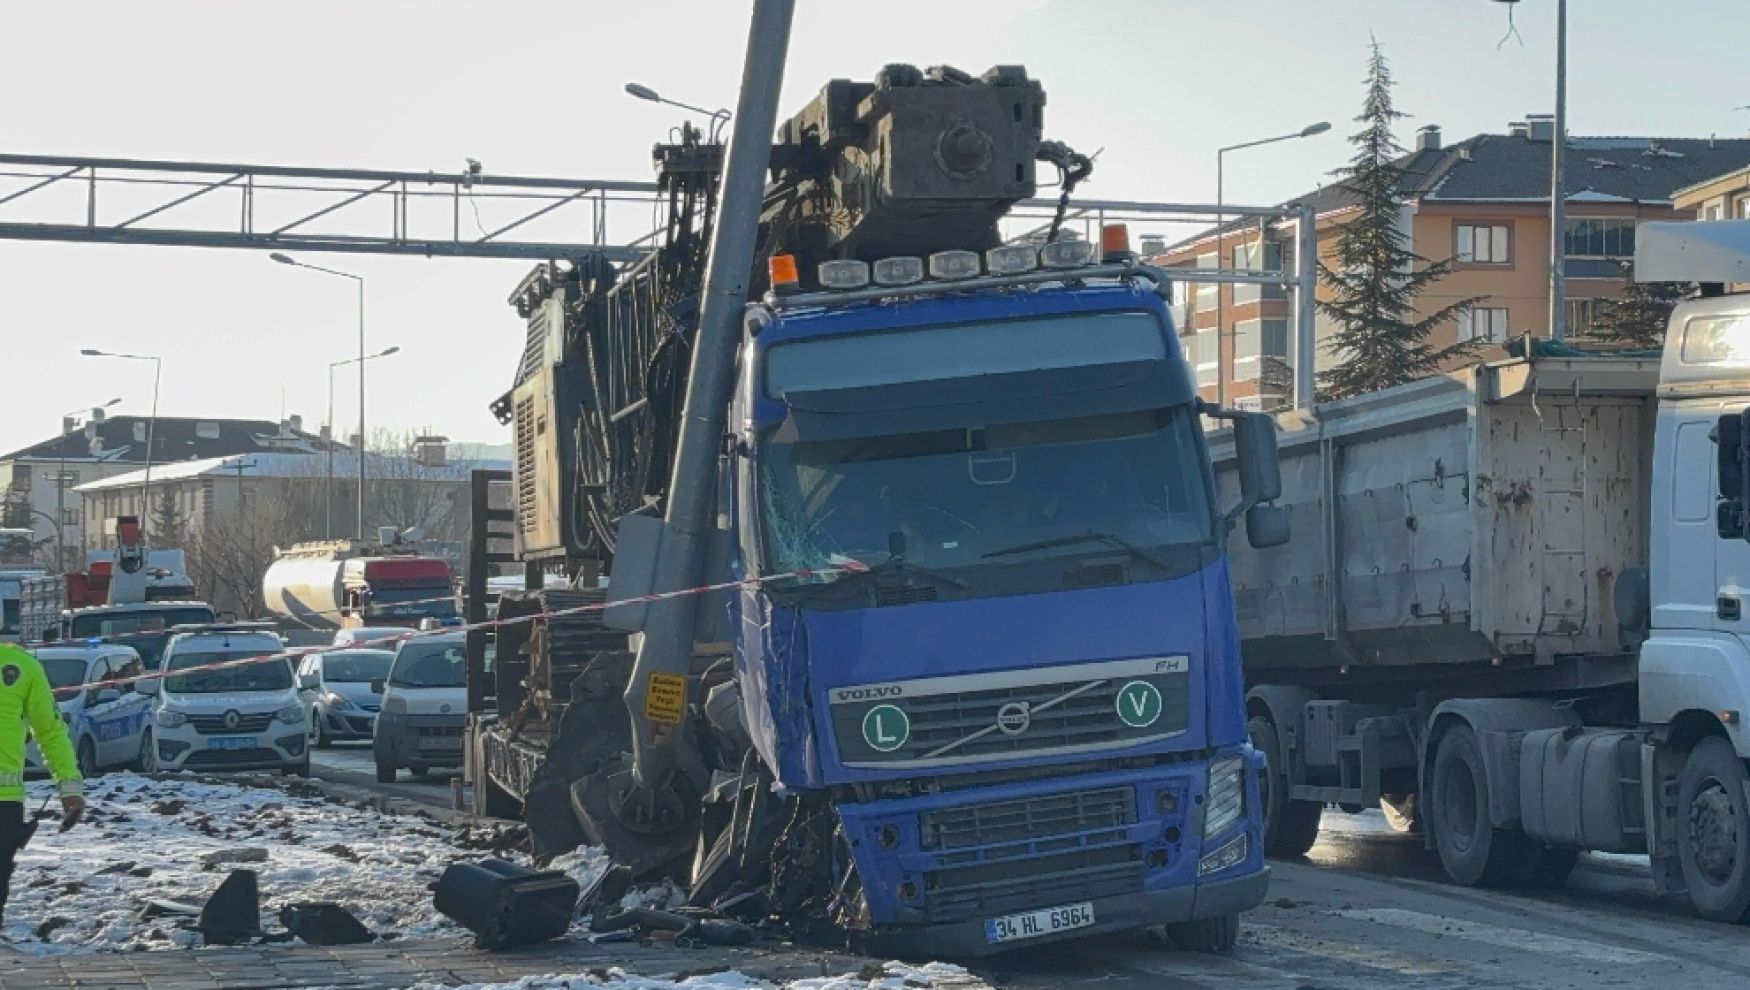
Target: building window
1257 257
1208 293
1744 208
1601 238
1583 313
1483 323
1712 212
1206 356
1255 343
1483 245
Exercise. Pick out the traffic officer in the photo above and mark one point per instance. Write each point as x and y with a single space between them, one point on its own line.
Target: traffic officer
27 702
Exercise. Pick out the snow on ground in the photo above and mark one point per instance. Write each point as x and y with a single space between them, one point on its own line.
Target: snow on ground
145 837
889 976
83 890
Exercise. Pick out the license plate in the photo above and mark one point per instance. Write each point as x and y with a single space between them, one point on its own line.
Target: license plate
1032 924
231 742
439 742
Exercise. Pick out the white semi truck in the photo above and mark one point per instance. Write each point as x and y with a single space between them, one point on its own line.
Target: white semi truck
1513 606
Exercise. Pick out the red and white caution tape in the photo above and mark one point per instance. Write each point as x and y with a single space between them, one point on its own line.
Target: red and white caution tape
841 566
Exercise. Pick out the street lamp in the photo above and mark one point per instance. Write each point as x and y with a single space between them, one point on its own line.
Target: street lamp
61 479
151 429
1558 205
1309 130
719 117
328 489
289 260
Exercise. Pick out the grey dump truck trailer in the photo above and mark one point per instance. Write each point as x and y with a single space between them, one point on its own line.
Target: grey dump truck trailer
1510 609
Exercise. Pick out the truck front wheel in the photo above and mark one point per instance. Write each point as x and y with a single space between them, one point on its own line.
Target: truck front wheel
1216 934
1474 852
1713 831
1290 827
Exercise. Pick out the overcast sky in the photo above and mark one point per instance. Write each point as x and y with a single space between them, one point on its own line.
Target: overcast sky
534 88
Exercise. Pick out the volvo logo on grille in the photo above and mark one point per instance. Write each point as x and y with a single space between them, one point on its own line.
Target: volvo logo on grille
232 719
1014 718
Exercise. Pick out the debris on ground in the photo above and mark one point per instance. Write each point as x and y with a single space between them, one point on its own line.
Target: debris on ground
324 923
233 914
506 905
880 976
219 857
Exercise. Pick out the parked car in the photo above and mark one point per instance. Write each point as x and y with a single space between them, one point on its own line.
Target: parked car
236 717
105 724
425 704
337 688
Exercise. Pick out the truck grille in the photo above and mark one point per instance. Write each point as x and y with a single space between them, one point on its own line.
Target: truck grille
214 725
943 721
1001 888
1028 818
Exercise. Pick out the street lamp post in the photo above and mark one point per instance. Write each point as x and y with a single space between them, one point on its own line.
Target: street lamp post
1558 204
1220 242
719 117
61 484
288 260
328 489
151 431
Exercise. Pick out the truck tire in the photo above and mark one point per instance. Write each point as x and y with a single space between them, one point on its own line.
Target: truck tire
1713 831
1290 827
1549 867
1474 852
1216 934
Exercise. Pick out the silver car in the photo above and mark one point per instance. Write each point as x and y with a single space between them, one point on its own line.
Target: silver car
336 686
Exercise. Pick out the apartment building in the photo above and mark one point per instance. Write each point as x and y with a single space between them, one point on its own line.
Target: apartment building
1482 202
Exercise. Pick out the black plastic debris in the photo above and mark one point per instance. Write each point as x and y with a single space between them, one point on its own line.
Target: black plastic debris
604 892
324 923
505 905
233 913
159 907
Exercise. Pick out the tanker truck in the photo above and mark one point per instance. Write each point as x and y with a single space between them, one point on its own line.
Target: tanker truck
1511 611
343 584
974 683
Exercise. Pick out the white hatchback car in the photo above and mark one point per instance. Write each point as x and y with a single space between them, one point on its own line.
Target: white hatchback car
242 716
425 706
105 724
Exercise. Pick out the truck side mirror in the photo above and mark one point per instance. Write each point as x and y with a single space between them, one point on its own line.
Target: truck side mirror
149 686
107 695
1267 526
1255 448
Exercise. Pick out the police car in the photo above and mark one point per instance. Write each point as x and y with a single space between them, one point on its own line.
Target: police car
105 724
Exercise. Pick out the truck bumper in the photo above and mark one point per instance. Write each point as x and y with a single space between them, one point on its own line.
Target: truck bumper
1126 912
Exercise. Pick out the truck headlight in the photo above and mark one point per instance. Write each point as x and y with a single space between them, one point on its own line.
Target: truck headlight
1231 854
170 718
290 715
1226 800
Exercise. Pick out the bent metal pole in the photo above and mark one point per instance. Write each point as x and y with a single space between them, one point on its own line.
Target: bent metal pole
668 634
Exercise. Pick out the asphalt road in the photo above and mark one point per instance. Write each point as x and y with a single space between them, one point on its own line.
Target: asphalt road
1367 909
351 763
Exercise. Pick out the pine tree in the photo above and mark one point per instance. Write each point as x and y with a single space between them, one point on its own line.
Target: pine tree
1377 277
1639 317
169 527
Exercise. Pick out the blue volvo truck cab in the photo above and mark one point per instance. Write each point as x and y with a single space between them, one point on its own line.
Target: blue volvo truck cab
968 678
1024 695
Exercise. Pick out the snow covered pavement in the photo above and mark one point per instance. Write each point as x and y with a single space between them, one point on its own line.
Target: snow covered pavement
146 839
174 839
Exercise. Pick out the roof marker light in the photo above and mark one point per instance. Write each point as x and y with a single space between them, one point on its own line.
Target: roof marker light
954 264
1011 259
900 270
782 268
1066 254
845 273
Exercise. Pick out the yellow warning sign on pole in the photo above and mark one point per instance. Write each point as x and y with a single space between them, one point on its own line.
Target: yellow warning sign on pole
665 699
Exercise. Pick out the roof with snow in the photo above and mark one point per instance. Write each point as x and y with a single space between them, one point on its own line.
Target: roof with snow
122 440
1514 168
280 464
